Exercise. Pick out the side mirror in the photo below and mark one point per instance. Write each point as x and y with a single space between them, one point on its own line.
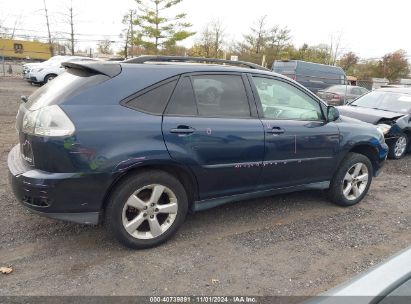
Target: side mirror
332 113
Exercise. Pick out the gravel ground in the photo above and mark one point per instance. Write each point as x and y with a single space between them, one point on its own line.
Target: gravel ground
296 244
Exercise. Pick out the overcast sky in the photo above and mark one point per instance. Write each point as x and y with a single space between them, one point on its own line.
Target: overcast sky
369 28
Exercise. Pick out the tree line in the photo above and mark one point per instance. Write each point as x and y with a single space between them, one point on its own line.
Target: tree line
150 29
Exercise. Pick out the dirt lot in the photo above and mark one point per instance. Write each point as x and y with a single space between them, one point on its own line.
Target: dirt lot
297 244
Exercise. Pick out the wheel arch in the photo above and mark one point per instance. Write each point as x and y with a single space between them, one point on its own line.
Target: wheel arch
407 132
369 151
184 175
49 74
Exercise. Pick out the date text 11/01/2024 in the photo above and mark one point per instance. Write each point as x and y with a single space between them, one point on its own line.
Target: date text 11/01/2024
203 299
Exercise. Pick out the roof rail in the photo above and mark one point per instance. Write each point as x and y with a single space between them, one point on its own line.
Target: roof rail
148 58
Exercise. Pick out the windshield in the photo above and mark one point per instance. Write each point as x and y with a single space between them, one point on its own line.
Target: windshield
387 101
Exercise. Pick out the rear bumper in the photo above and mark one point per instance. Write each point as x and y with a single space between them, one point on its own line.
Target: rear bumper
74 197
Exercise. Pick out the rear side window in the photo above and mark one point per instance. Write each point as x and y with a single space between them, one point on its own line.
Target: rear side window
154 100
221 95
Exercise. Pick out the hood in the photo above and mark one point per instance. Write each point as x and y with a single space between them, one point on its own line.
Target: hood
351 120
368 115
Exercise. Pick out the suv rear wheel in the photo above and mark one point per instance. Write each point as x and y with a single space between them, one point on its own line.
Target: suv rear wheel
352 180
146 209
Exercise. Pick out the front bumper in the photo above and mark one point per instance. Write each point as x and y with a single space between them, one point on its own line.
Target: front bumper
382 157
74 197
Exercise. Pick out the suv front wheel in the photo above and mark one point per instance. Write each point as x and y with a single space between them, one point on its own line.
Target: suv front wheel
146 209
352 180
399 147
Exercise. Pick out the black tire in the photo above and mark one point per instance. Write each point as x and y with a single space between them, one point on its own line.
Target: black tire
49 77
335 193
123 191
392 154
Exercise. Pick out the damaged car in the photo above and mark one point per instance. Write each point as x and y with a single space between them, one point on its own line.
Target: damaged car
138 144
390 110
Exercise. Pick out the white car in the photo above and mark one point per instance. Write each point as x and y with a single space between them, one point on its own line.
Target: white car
27 67
50 69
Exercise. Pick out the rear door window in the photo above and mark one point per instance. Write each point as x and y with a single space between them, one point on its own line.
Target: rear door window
221 95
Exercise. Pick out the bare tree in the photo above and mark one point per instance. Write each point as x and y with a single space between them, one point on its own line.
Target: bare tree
210 41
217 33
104 46
335 47
256 40
129 20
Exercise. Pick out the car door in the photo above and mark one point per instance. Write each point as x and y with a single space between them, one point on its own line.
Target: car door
300 145
210 126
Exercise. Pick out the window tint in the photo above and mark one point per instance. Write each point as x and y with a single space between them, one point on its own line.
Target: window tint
155 100
221 95
183 101
281 100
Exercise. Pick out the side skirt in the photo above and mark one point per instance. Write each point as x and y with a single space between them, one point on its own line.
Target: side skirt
214 202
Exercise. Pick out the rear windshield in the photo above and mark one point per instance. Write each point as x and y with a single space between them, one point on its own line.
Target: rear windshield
387 101
66 85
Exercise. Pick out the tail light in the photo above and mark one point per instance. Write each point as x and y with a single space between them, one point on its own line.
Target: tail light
337 97
48 121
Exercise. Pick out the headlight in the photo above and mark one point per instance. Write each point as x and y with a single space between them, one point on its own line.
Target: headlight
48 121
383 128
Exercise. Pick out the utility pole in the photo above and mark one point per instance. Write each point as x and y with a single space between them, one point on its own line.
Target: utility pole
72 29
48 28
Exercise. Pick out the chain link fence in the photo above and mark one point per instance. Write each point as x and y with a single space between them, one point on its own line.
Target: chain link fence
11 68
365 84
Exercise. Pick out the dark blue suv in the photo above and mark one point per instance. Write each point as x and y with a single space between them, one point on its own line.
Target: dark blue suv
138 144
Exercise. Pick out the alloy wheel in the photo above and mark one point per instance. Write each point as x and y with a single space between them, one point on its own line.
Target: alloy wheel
150 211
355 181
400 146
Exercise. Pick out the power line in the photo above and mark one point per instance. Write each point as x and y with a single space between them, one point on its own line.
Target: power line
61 32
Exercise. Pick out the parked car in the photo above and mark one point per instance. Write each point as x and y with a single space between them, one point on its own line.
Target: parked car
27 67
49 70
390 110
132 144
386 283
338 95
313 76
